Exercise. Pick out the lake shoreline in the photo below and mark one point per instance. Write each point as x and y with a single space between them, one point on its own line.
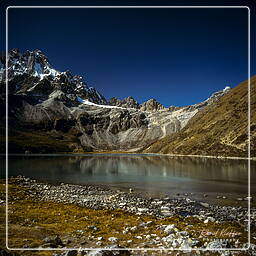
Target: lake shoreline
181 222
212 198
127 153
102 196
211 180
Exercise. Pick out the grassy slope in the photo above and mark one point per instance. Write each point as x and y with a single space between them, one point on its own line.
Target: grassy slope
220 129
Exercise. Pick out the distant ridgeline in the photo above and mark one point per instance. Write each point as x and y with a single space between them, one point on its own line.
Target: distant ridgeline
52 111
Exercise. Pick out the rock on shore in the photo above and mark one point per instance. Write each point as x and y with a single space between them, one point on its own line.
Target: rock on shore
169 225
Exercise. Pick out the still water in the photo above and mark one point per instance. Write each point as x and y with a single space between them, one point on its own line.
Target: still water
149 174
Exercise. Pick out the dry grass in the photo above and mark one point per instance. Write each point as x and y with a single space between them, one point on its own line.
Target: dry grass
30 221
219 130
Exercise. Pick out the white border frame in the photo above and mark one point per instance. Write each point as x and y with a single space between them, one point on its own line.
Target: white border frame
249 121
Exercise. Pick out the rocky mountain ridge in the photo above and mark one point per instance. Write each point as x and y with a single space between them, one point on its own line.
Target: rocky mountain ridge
150 105
64 114
31 73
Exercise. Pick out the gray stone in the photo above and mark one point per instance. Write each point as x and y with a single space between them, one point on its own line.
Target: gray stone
113 239
169 229
206 205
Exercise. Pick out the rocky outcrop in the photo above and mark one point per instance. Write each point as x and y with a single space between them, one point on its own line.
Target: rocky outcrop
151 106
128 102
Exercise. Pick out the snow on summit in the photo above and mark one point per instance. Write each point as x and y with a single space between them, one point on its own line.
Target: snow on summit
43 78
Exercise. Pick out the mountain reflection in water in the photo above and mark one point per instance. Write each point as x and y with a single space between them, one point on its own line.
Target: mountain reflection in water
151 173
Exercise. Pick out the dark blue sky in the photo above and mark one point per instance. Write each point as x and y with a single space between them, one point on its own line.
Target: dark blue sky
177 56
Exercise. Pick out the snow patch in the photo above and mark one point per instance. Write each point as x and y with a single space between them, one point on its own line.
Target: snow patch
52 72
87 102
227 88
38 70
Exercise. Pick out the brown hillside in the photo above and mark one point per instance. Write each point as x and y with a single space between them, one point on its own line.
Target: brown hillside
221 129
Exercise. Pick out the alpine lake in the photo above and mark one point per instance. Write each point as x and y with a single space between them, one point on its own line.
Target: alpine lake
210 179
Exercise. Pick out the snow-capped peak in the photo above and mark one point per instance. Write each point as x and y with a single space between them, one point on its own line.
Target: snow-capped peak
42 76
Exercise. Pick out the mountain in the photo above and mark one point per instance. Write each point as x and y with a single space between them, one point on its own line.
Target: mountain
31 74
53 111
219 129
128 102
151 105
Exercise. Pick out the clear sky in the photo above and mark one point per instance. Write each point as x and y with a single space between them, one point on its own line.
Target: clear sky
177 56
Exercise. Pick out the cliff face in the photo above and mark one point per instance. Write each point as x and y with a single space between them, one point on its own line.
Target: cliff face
219 129
53 111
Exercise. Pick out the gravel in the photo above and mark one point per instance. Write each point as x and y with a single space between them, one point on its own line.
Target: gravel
99 197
